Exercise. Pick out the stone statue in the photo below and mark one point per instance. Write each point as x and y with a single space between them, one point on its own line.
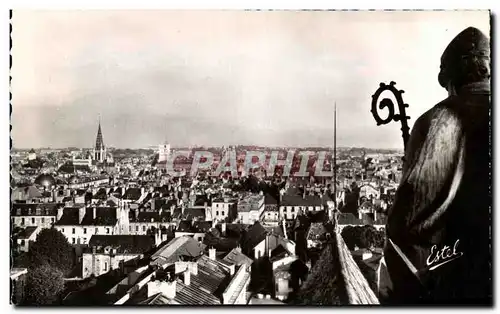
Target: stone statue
439 228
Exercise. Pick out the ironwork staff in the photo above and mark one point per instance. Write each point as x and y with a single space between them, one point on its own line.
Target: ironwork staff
387 102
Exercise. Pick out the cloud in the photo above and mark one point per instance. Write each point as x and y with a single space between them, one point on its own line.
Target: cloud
221 77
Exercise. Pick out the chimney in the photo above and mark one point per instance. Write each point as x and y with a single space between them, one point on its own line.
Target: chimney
211 253
94 213
187 277
81 213
193 268
172 209
60 211
223 229
158 237
169 288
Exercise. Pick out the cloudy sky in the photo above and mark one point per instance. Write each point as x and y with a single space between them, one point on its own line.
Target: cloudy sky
222 77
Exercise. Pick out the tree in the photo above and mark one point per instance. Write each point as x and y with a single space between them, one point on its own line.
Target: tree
51 248
350 237
43 285
367 236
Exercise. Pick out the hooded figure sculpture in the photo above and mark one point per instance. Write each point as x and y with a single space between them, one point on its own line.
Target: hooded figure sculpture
439 228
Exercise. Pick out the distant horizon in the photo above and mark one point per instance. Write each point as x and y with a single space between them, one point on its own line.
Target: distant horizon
216 146
223 77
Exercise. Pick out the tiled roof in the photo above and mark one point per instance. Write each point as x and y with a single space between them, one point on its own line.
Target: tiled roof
44 209
202 226
105 216
270 200
100 194
28 192
131 244
172 251
194 226
276 230
146 216
279 252
296 200
236 257
205 288
253 236
70 168
201 200
317 216
26 232
69 217
132 194
184 226
191 213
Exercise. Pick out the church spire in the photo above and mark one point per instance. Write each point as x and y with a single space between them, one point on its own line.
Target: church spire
99 150
99 143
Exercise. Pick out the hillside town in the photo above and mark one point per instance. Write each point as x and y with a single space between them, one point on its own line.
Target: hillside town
122 231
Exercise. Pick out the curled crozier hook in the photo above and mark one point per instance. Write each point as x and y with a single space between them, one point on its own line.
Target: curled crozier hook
388 104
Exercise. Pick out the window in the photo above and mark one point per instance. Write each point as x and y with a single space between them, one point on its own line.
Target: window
84 230
136 228
73 230
293 209
22 221
43 220
22 242
130 228
84 240
222 213
144 228
52 219
33 220
73 240
107 230
96 230
200 239
217 213
105 266
62 230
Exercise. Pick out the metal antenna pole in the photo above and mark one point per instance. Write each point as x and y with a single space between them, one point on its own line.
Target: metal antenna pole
334 164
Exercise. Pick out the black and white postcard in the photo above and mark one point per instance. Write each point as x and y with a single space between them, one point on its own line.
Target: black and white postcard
225 157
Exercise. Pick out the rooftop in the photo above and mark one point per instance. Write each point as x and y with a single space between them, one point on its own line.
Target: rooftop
125 244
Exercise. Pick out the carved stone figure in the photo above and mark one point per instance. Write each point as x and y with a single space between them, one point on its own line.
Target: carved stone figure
439 228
